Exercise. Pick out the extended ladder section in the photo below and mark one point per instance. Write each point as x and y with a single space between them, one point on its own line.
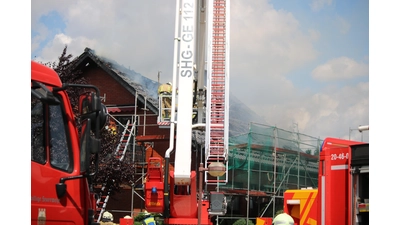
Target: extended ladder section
124 142
217 130
101 202
184 49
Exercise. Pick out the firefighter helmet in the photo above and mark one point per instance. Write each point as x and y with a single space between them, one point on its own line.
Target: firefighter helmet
283 219
107 217
146 214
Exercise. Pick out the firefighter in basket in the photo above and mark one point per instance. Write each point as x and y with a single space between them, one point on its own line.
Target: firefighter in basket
165 92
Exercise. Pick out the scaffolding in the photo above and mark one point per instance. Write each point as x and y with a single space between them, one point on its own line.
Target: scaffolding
133 152
263 164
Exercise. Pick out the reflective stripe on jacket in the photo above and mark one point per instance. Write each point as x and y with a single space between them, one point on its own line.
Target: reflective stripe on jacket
149 221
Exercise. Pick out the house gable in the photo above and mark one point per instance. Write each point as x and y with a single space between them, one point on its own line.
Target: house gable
89 61
119 95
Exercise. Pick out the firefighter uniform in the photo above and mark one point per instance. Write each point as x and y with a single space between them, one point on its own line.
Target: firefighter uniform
165 89
283 219
149 220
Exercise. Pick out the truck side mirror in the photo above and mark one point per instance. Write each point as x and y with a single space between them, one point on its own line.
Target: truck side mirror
61 189
103 116
90 107
86 145
88 103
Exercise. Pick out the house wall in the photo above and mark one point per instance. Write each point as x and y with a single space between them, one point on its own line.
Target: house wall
116 94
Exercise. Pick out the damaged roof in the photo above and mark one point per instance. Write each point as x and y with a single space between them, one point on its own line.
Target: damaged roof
145 88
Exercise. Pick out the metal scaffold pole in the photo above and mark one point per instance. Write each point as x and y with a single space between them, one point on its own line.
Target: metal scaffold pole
133 155
274 179
248 176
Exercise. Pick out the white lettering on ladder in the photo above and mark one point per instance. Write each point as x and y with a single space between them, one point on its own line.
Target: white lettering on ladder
187 40
185 74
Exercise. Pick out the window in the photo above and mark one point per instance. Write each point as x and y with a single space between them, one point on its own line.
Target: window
38 153
57 139
59 149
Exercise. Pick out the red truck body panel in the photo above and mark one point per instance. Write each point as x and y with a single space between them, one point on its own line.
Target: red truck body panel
330 204
334 181
154 186
301 205
46 207
44 74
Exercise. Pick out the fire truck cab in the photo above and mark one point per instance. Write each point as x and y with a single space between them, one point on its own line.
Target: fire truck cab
343 187
60 157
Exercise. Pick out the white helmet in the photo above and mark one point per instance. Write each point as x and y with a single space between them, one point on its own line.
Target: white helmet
146 213
169 83
283 219
107 217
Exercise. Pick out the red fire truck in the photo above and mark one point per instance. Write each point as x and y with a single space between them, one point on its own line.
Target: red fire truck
60 157
342 196
201 106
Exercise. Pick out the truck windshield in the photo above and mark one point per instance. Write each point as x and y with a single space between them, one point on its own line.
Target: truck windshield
49 117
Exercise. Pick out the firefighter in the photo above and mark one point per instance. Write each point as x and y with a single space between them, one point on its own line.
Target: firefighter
283 219
148 219
112 127
107 218
166 91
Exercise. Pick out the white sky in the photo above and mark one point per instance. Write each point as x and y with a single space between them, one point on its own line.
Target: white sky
293 62
284 101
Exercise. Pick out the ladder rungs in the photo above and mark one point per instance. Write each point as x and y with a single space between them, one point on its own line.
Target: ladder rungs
218 147
217 111
217 151
216 181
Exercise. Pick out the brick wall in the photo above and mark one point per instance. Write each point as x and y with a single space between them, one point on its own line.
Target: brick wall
116 94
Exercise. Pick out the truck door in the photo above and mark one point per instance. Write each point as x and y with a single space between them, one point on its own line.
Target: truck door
333 182
52 158
360 185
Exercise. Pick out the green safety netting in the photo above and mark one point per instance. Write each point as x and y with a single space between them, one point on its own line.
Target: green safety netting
253 164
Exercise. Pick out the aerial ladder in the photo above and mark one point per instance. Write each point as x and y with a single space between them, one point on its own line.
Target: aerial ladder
201 74
217 130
